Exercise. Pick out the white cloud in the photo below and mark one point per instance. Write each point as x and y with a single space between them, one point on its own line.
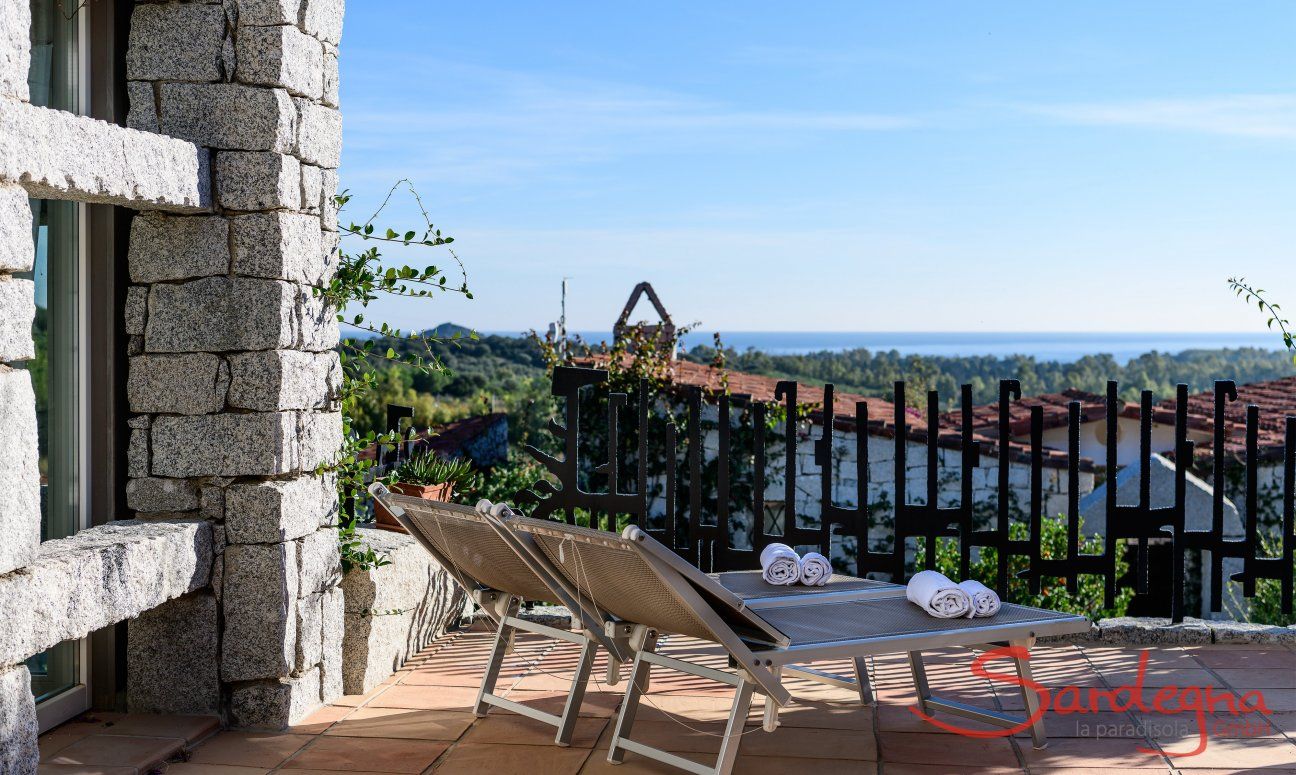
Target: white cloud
1269 116
496 125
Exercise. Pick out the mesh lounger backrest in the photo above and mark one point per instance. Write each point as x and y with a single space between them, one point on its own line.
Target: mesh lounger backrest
612 573
468 541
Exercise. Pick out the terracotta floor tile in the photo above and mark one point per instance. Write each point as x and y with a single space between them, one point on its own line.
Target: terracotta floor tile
1094 771
689 709
507 729
825 715
1285 721
321 719
1283 700
1223 754
473 678
810 743
403 724
686 737
188 728
367 753
1160 677
634 764
950 750
904 768
470 759
898 718
781 765
1089 725
596 704
459 698
1271 677
1246 658
83 769
81 727
1093 753
56 740
142 753
249 749
190 768
353 700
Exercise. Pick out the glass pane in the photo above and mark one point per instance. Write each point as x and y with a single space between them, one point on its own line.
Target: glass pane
55 371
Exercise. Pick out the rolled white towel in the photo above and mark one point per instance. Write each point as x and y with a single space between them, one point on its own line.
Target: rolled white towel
815 569
985 601
780 565
937 595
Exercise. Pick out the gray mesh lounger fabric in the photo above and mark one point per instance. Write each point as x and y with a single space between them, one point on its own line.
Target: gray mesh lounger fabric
643 582
748 585
484 561
467 540
886 618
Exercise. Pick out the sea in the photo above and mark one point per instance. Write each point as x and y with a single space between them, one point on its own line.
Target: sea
1063 347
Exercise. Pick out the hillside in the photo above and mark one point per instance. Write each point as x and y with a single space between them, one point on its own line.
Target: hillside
507 373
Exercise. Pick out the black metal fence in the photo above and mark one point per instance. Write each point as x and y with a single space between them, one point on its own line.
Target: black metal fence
682 524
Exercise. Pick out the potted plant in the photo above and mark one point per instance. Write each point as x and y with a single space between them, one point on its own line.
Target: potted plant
425 475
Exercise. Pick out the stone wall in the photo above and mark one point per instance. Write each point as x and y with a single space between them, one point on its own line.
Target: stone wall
394 611
233 379
230 156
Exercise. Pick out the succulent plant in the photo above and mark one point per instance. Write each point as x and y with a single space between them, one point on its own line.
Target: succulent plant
428 468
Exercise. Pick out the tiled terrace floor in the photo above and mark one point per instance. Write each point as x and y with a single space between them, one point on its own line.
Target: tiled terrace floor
419 720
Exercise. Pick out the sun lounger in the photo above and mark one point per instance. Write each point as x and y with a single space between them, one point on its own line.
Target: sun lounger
498 577
651 592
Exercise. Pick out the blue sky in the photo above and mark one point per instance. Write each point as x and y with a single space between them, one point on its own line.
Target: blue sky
854 166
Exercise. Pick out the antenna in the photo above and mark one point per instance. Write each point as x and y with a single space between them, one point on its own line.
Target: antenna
561 334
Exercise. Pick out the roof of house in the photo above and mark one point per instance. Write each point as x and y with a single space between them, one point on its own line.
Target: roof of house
1275 398
881 413
448 439
1056 411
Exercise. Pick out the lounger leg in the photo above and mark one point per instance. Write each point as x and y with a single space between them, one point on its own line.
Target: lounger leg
734 729
920 680
630 705
771 721
503 642
571 711
862 681
1030 700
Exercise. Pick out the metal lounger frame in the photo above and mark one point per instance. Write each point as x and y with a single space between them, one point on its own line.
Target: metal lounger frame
502 607
759 666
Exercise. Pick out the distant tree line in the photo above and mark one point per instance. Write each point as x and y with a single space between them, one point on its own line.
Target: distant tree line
875 373
508 373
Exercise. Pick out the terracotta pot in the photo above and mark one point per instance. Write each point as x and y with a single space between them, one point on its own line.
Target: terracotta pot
428 492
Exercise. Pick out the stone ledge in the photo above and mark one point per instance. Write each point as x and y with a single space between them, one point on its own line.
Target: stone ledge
556 616
1155 631
94 161
99 577
394 611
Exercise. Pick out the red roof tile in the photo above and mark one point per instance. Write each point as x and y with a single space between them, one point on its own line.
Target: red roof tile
1276 400
985 418
881 413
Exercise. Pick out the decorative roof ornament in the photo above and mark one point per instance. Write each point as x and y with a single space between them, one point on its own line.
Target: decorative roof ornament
663 331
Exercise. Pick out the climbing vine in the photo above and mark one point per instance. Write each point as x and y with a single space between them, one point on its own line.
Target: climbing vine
363 277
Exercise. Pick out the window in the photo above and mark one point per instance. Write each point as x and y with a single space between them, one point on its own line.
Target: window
57 372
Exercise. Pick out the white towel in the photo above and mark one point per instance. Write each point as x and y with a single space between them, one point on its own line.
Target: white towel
985 602
815 569
937 595
780 565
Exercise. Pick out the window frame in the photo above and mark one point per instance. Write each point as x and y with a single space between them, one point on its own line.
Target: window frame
102 234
